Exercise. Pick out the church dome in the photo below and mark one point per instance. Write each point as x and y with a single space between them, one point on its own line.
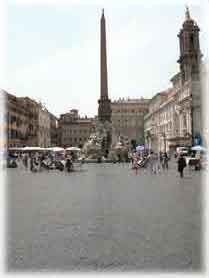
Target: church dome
189 22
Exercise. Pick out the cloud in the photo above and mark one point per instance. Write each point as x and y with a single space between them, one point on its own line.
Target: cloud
3 36
43 2
65 80
57 2
71 77
140 63
99 2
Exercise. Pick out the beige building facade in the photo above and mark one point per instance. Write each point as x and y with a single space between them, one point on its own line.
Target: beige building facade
16 121
73 129
175 117
26 122
44 122
170 124
21 121
159 121
205 102
32 128
128 118
53 130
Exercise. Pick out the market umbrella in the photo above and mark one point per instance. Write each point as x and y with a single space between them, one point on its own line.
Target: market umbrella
33 149
198 148
140 148
55 149
73 149
16 148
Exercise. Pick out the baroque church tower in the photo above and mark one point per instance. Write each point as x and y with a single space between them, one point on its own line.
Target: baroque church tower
190 96
190 55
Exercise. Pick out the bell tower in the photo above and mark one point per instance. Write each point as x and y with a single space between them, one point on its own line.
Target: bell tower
190 55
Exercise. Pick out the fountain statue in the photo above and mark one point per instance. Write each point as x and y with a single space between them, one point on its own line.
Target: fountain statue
99 142
101 146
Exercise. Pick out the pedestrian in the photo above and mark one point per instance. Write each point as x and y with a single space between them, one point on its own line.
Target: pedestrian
69 163
135 165
181 165
131 158
151 161
156 164
31 162
165 161
25 160
161 158
119 158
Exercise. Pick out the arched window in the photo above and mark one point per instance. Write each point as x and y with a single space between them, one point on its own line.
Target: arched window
183 75
185 121
193 71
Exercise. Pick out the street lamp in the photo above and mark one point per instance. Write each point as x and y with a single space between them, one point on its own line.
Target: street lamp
164 140
148 137
192 123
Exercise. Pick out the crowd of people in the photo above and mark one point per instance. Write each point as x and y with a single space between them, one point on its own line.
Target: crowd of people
36 162
155 162
159 162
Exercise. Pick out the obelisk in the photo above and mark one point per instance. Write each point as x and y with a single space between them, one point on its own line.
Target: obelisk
104 110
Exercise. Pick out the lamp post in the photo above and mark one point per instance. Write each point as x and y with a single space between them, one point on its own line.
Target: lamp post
148 137
192 123
164 141
188 136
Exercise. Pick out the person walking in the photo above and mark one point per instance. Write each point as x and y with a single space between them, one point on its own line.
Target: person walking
151 158
154 165
31 162
25 160
135 164
161 158
69 163
181 165
165 161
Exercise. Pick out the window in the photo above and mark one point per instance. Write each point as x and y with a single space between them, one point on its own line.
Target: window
13 134
191 42
12 119
185 121
193 71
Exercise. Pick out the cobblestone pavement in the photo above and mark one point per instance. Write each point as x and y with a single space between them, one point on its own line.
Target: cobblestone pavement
104 217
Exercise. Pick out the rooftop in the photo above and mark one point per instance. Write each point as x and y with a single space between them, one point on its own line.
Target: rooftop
131 100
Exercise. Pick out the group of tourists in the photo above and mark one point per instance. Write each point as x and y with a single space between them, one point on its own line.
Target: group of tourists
155 162
158 162
36 162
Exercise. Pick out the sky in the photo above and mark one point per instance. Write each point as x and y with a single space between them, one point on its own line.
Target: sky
53 50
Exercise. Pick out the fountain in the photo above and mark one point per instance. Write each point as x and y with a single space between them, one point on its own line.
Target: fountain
98 145
102 147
